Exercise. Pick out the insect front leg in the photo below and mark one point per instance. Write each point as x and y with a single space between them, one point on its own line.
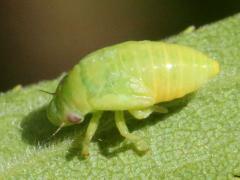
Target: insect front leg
92 127
140 144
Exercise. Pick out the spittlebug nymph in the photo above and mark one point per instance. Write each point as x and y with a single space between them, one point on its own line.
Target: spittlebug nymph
132 76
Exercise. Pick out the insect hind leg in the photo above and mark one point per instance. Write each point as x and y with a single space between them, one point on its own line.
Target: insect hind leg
160 109
139 143
144 113
141 113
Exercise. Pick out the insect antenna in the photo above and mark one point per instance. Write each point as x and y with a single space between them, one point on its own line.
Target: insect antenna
50 93
58 129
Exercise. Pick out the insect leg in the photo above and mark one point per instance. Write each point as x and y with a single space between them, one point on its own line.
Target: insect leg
122 127
160 109
92 127
144 113
141 113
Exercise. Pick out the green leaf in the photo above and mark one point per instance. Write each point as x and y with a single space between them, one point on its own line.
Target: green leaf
197 139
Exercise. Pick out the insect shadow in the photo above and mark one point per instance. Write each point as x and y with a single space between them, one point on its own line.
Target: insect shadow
37 130
109 139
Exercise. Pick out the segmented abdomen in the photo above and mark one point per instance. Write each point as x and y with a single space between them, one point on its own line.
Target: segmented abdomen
146 69
178 70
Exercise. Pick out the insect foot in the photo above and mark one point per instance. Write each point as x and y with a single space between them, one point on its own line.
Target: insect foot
140 144
85 151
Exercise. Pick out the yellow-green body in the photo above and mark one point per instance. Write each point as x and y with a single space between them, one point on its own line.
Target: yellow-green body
131 76
135 75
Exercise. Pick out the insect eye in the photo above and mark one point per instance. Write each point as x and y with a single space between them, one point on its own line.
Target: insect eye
73 118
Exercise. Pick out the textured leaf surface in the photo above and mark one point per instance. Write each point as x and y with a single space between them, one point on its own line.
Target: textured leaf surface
198 139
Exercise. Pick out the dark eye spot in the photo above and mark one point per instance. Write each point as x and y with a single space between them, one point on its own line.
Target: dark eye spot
73 118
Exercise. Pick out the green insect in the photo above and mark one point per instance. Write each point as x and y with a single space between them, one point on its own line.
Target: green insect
133 76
